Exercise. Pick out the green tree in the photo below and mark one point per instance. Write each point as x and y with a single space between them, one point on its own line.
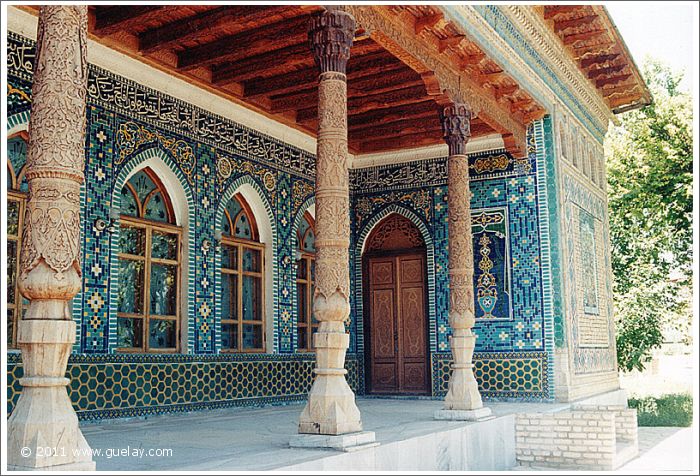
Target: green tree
650 179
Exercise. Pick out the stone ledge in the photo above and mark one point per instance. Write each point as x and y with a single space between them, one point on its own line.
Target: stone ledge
479 414
348 442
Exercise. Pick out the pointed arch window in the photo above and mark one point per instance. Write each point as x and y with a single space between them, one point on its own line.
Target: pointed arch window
306 324
242 283
16 201
148 303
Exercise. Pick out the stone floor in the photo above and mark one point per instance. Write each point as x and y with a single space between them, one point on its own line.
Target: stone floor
254 438
664 449
257 438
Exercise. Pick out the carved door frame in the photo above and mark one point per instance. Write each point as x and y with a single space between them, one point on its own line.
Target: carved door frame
367 318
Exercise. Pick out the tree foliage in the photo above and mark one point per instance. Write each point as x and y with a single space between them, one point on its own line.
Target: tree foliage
650 159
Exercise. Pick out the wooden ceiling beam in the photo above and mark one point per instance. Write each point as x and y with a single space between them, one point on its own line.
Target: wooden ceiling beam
396 129
553 11
396 97
624 100
112 19
621 90
560 25
598 59
291 56
601 47
278 63
611 80
408 141
389 92
505 91
584 36
371 102
401 76
471 60
597 72
245 44
516 106
192 28
484 78
394 119
445 43
399 143
358 66
428 21
382 116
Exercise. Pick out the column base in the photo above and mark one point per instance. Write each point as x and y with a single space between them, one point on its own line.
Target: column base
348 442
79 466
483 413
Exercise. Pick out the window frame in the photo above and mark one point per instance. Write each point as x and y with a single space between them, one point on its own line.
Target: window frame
18 307
231 241
15 194
150 226
308 260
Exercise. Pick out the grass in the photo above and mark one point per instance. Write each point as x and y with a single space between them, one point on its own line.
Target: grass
666 410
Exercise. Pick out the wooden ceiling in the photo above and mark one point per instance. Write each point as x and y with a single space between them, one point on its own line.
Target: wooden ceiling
593 41
259 56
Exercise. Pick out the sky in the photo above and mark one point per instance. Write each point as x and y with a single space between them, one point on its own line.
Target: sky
663 30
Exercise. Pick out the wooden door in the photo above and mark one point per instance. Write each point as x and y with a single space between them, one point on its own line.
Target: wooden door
398 324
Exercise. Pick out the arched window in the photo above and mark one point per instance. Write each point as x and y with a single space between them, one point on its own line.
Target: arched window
306 324
242 255
16 201
148 309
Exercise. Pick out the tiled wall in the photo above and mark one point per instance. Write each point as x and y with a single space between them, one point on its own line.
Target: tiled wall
515 338
211 157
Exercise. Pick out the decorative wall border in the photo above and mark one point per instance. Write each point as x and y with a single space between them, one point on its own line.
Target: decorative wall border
134 385
118 94
549 266
496 362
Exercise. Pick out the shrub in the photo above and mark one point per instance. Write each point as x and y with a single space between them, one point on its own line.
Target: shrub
666 410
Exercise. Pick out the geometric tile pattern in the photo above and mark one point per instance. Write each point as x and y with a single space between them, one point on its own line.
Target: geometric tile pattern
110 386
500 375
592 327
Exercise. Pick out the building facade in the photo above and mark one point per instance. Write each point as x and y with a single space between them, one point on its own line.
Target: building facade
198 214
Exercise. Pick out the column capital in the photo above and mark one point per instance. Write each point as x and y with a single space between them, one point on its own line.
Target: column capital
331 33
455 119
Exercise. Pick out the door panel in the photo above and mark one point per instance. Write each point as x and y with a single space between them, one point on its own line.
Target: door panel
398 324
412 323
383 332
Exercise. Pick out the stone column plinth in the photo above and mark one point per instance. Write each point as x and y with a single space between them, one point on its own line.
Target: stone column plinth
463 401
331 408
43 431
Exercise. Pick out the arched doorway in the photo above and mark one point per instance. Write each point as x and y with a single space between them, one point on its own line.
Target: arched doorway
395 284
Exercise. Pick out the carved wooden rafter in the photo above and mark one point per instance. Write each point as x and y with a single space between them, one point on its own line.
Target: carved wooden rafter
112 19
396 37
191 28
245 44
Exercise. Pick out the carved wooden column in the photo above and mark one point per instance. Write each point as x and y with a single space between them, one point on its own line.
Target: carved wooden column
331 408
50 273
463 401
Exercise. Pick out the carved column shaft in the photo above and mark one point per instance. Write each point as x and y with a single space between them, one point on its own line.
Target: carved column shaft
50 273
463 393
331 407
